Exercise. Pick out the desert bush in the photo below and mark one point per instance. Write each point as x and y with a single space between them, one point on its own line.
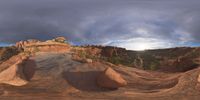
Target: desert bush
7 52
27 53
194 54
82 54
115 60
153 66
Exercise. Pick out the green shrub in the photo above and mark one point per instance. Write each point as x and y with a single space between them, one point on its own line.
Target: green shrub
154 65
7 52
115 60
82 54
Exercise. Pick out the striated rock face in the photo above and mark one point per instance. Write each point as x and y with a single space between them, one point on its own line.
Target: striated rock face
108 52
59 48
198 78
82 60
89 60
22 44
185 63
112 51
19 73
180 64
138 62
56 45
110 79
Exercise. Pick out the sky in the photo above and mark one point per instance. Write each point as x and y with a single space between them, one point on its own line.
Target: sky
131 24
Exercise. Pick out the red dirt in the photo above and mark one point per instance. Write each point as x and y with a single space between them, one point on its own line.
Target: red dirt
58 77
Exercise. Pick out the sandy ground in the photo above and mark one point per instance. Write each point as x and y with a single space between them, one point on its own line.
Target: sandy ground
58 77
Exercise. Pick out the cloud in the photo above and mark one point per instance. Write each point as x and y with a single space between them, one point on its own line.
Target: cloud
144 43
158 22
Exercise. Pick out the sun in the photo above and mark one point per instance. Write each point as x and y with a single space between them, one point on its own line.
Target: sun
142 46
137 46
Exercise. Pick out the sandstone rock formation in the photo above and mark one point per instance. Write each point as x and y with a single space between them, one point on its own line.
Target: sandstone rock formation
88 60
51 47
7 52
82 60
60 39
110 79
109 51
19 73
22 44
198 78
138 62
56 45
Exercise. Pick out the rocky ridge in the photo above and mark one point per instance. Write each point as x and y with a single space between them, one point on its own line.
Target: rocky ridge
56 70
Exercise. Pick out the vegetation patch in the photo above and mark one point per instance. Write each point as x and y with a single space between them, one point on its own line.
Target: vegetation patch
7 52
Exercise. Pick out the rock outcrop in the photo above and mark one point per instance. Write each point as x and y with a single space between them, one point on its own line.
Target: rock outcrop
110 79
7 52
56 45
60 39
19 73
138 62
22 44
82 60
109 51
51 47
198 78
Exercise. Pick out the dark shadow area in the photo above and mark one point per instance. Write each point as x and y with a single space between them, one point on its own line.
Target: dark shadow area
85 81
179 68
29 66
29 69
189 68
8 52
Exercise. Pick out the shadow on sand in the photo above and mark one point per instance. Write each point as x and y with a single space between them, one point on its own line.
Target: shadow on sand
85 81
29 69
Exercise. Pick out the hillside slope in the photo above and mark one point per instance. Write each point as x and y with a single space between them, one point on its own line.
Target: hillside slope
55 70
57 76
166 60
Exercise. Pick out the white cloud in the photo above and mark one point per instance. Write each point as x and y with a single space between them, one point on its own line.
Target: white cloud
141 43
136 24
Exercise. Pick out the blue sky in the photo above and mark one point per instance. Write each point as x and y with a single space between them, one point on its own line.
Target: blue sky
4 44
132 24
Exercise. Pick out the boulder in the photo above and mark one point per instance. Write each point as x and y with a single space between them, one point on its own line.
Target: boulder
19 73
60 39
198 78
110 79
80 59
88 60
